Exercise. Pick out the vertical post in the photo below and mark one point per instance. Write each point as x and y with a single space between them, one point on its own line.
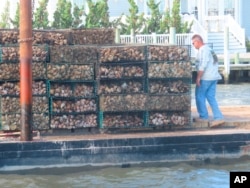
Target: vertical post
172 39
26 69
154 38
236 61
117 36
132 35
236 58
226 55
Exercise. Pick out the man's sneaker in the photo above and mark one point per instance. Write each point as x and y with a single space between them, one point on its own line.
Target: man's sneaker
200 120
216 123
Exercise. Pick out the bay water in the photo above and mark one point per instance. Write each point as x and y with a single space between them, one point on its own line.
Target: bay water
177 175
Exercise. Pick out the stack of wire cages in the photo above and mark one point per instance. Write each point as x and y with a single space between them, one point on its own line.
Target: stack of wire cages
169 86
72 87
10 88
121 86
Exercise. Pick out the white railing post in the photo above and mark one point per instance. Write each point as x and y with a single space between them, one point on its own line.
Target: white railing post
236 30
154 38
132 36
172 39
117 36
226 55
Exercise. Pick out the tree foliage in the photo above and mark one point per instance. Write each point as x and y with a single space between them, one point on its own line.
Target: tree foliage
5 16
98 15
41 15
16 20
175 16
117 23
176 21
134 21
92 18
154 21
104 12
78 12
62 15
165 22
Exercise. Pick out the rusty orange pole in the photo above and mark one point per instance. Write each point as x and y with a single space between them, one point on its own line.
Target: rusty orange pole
26 69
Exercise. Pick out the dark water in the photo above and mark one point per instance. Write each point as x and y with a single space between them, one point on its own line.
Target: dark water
179 175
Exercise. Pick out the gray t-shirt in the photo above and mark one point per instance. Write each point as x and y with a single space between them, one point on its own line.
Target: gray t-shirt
205 62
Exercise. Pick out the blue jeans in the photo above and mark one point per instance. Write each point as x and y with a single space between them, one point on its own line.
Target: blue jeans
207 91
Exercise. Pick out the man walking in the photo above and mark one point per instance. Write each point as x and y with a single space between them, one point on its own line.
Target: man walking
206 82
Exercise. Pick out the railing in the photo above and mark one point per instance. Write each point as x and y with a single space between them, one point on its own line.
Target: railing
144 39
235 29
181 39
214 23
163 38
125 39
218 24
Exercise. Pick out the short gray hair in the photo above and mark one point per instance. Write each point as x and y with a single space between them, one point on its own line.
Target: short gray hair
198 37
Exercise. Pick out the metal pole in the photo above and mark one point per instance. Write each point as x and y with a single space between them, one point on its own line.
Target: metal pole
26 69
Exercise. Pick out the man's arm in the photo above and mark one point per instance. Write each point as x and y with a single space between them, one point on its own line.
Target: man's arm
198 79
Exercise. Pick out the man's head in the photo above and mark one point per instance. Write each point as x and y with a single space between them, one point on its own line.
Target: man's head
197 41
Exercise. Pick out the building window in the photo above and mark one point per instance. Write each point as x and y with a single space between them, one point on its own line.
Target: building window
213 12
213 7
229 7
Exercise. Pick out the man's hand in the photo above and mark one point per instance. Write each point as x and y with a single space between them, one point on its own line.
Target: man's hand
198 79
198 82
